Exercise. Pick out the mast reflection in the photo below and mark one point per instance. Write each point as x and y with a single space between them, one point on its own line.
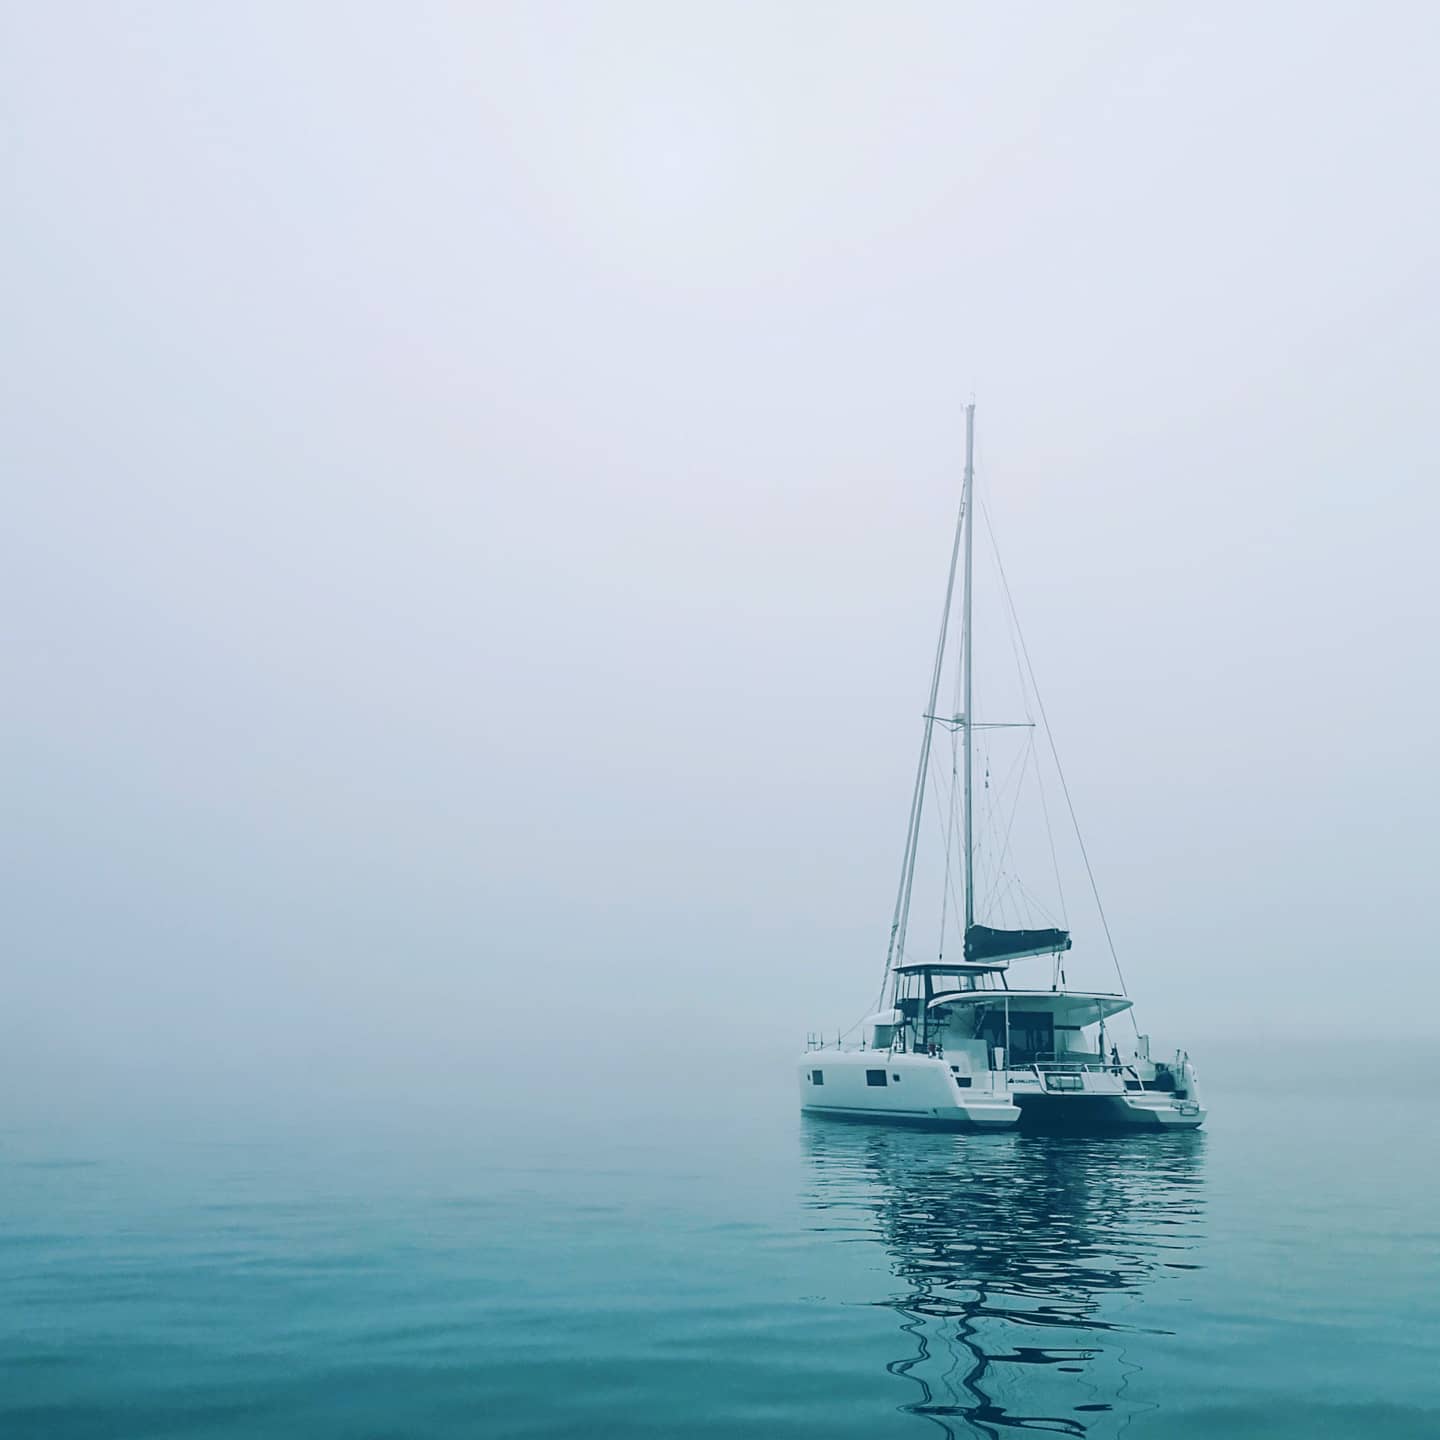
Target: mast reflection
1014 1256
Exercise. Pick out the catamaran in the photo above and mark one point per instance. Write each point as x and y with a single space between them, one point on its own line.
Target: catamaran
955 1043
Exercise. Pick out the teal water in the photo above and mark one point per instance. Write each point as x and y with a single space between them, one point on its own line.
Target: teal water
715 1266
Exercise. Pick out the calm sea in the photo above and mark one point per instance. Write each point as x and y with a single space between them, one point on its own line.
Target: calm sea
708 1264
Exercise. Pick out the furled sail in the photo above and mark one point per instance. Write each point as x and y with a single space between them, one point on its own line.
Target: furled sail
983 943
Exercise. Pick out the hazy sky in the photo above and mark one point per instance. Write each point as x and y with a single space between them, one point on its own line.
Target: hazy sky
478 480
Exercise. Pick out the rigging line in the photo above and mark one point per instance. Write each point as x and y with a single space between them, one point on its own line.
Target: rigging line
1016 642
964 530
948 893
1059 769
997 791
946 890
1020 763
949 879
901 949
1014 808
1012 628
853 1026
1004 900
1050 836
1003 854
1035 900
905 861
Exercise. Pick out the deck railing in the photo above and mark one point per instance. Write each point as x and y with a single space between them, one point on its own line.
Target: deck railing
1042 1068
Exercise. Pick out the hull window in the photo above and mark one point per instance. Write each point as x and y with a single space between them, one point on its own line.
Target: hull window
875 1077
817 1077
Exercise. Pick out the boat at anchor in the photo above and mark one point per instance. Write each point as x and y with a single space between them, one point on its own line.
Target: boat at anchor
955 1042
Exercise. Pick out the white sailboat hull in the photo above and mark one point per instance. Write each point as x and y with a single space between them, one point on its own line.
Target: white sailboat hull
935 1090
1103 1098
1119 1112
918 1089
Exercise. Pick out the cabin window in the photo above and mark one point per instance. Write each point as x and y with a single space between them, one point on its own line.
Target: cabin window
1032 1034
817 1077
875 1077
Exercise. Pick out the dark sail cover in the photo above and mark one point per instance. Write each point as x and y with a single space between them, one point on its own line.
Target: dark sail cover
982 943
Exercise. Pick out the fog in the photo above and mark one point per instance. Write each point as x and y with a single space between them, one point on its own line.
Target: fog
478 484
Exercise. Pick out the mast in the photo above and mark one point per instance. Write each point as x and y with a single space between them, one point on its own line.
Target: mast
984 944
901 921
967 510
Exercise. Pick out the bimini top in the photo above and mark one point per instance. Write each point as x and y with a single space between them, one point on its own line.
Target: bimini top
953 967
1078 1007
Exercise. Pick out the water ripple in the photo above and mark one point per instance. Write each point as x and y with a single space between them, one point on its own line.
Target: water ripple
1013 1256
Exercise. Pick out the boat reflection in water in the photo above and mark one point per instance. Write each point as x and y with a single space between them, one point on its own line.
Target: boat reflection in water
1020 1263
